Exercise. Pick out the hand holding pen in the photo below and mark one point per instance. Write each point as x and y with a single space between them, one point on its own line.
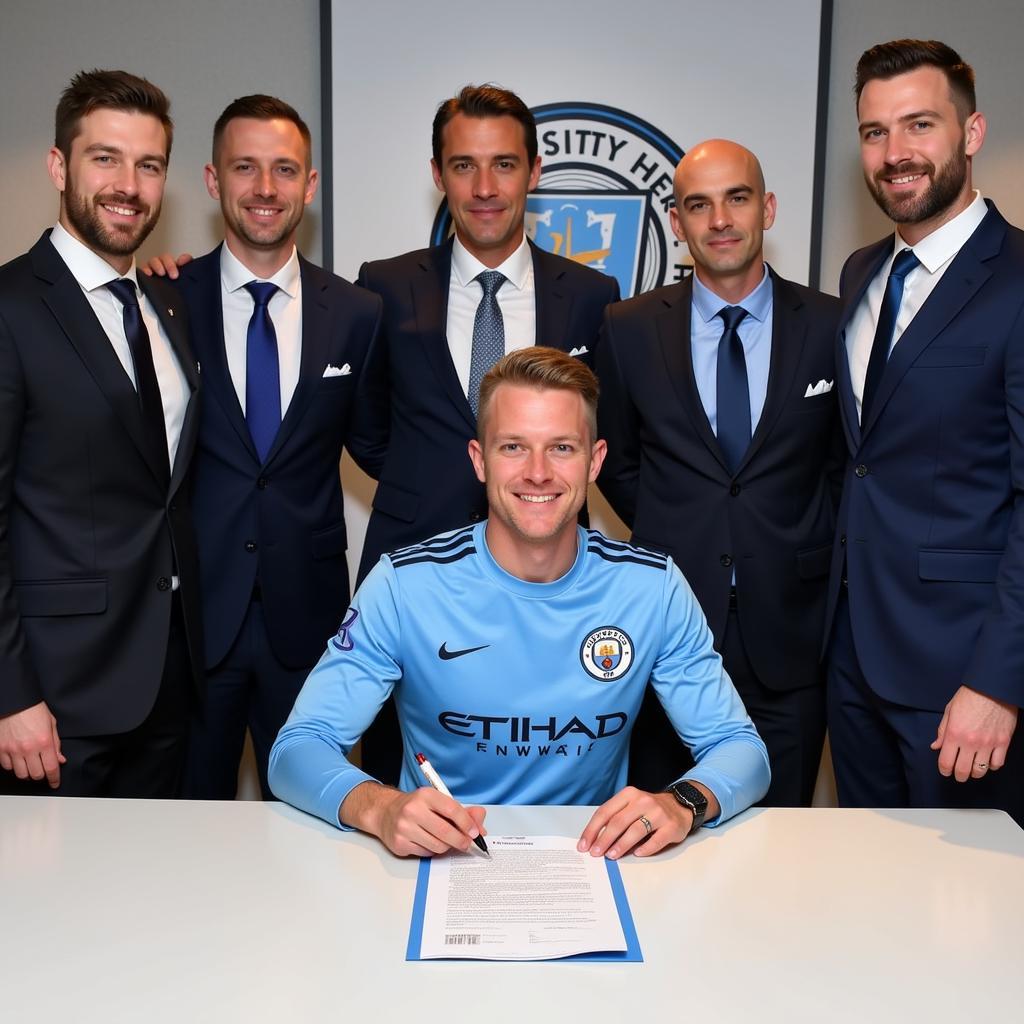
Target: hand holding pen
423 823
430 774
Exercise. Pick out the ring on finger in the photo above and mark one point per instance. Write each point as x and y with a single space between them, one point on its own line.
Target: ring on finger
981 764
646 822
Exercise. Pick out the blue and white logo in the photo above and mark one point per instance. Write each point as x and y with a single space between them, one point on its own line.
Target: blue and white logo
606 653
604 194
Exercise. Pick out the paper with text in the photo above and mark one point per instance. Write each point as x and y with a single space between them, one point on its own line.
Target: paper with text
536 898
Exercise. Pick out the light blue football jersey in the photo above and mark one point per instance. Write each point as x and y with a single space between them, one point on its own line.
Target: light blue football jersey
517 692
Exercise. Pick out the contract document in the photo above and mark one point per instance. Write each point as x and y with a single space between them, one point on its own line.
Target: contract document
535 898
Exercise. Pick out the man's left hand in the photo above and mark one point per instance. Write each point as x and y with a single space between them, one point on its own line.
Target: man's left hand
974 734
618 825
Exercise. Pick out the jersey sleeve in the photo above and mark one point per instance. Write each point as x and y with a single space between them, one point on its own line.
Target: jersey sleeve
309 764
701 702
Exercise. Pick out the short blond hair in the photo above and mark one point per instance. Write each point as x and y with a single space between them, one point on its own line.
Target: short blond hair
544 369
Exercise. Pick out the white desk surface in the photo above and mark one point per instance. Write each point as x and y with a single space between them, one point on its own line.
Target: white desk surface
150 911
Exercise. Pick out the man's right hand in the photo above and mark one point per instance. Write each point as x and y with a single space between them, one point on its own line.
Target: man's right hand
422 823
30 745
165 265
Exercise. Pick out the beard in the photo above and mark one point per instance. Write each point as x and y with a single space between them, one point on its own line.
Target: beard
110 240
946 185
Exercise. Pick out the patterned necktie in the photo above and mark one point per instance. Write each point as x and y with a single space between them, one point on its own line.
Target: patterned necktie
488 333
146 384
901 266
262 371
733 392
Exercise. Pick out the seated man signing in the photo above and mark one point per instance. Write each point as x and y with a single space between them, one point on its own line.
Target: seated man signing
518 651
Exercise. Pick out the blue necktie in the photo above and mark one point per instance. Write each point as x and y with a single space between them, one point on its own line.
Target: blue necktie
901 266
733 392
262 371
145 375
488 334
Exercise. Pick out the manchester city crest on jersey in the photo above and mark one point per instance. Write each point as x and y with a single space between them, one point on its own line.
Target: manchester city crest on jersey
607 653
604 194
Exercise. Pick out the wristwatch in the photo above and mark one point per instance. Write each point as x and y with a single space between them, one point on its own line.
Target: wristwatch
690 796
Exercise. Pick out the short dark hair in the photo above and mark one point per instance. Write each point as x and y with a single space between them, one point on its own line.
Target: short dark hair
546 369
887 60
261 107
486 101
108 90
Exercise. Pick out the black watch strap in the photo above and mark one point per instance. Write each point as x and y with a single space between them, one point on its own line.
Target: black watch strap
690 796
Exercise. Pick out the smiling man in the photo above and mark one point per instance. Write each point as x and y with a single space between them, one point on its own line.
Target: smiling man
718 407
449 313
518 651
99 621
927 593
282 345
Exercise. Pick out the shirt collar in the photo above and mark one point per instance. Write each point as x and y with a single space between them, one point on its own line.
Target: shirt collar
88 268
516 268
757 303
946 241
234 274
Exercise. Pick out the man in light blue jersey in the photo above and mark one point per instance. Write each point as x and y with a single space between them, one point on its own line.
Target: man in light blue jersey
518 651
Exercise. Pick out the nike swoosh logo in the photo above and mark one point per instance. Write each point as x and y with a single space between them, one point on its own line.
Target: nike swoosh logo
445 655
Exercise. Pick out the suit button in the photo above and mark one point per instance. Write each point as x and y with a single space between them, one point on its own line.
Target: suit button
475 517
861 470
250 546
172 507
164 583
262 483
726 560
734 490
842 540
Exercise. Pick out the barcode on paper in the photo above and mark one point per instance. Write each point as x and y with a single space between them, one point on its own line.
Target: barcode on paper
462 940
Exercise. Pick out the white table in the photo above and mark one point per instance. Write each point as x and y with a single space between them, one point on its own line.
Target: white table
245 912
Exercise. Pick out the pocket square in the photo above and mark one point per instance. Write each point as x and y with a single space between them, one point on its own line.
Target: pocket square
823 387
581 351
337 371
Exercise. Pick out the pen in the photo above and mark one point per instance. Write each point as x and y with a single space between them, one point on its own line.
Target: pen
435 780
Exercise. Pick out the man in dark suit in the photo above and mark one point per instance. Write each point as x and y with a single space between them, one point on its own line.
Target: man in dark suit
926 604
721 423
99 628
449 313
282 345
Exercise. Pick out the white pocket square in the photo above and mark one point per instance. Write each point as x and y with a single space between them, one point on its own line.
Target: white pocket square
337 371
581 351
823 387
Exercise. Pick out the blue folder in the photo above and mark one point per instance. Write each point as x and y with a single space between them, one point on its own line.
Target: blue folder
632 953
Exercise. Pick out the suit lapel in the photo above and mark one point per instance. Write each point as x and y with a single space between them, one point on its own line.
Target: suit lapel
965 275
430 307
312 353
207 326
789 334
553 302
170 312
673 325
862 269
71 310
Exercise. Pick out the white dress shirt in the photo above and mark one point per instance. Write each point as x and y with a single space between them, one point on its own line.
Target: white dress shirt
516 300
936 252
93 273
285 309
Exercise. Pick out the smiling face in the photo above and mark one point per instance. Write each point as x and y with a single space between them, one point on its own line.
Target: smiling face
916 149
536 456
485 174
112 182
721 213
264 183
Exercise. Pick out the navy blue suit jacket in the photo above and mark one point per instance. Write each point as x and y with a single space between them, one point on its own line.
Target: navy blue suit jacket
281 521
772 522
415 418
931 523
91 531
